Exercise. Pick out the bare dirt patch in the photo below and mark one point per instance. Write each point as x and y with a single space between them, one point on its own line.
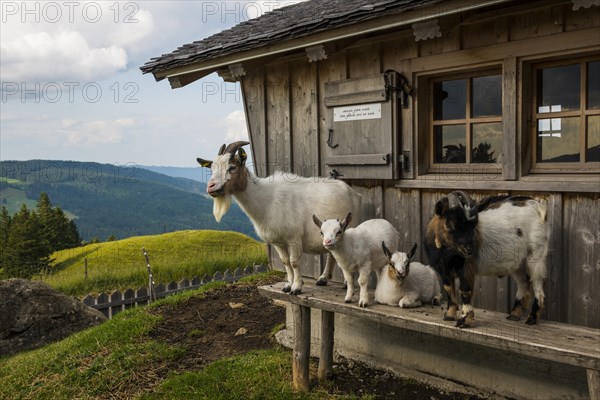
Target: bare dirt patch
235 319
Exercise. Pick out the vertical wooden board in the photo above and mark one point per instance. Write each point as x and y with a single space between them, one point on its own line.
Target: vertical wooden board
485 33
332 69
403 210
253 92
278 118
397 50
540 22
372 194
304 123
555 288
364 61
449 41
509 119
581 255
581 19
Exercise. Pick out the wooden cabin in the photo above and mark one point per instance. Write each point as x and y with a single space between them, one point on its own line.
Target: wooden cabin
407 100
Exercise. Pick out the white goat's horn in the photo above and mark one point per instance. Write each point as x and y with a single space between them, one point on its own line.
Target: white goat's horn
221 150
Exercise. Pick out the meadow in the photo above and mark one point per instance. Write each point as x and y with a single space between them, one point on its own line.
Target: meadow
121 264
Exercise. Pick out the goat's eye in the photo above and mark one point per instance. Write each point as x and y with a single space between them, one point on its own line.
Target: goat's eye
232 168
321 233
338 233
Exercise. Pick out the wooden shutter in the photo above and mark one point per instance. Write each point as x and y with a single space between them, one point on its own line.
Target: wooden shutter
363 117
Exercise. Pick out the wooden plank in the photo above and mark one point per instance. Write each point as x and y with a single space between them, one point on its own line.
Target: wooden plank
581 247
555 288
359 159
581 19
403 209
509 119
565 41
325 371
373 96
278 118
551 341
364 61
332 69
301 351
547 183
593 378
539 22
303 122
448 42
485 33
253 92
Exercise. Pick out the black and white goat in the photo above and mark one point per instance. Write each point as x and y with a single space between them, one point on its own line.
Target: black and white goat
358 249
280 207
500 235
406 284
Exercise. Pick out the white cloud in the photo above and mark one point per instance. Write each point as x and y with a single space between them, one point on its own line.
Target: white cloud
235 125
94 132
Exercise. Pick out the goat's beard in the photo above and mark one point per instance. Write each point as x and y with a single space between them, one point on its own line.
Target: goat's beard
221 206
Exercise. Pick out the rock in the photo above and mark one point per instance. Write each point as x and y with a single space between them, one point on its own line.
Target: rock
32 314
241 331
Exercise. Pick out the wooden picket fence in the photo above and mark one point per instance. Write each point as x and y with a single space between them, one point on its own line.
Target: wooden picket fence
112 304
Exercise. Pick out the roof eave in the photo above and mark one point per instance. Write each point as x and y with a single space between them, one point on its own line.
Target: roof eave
183 75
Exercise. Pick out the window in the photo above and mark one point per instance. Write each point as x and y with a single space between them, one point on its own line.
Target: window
566 129
466 121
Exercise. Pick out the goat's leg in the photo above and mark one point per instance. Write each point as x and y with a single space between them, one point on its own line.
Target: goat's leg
410 299
538 302
467 316
295 254
326 275
349 285
523 295
450 314
363 281
285 259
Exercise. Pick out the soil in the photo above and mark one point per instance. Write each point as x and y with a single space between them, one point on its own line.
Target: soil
236 319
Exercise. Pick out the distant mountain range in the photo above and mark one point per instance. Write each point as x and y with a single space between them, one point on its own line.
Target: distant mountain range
119 200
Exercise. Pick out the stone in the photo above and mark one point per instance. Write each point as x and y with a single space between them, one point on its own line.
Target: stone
32 314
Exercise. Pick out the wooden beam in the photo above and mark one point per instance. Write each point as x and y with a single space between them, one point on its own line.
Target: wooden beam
301 352
325 371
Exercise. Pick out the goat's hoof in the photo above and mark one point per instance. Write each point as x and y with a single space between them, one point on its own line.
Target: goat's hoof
531 321
512 317
449 317
321 282
347 300
363 304
286 289
296 292
462 323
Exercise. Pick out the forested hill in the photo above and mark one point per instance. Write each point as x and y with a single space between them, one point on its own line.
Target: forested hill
119 200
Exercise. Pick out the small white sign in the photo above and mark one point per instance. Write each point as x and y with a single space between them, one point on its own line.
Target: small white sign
357 112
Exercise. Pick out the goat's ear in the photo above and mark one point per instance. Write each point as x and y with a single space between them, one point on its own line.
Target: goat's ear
346 221
386 251
204 163
441 207
317 221
243 156
412 251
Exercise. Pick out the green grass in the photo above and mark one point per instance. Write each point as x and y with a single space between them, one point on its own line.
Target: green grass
173 256
118 359
13 199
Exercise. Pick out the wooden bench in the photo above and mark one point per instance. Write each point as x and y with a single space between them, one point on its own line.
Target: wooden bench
562 343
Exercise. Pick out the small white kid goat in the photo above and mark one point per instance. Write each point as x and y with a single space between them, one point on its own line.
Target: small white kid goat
406 284
358 249
279 206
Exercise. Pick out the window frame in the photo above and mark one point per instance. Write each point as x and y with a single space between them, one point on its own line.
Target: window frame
582 166
468 167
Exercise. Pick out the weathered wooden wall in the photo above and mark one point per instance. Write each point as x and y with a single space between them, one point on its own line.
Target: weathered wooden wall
288 124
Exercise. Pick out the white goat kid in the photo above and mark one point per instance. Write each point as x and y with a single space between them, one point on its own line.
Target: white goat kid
358 249
406 284
279 206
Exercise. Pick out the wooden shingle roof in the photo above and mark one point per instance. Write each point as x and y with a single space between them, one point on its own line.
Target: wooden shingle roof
291 22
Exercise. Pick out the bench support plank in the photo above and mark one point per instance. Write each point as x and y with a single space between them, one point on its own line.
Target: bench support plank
326 356
301 355
593 378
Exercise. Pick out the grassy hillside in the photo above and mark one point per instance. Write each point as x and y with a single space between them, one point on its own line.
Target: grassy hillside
119 200
121 359
173 256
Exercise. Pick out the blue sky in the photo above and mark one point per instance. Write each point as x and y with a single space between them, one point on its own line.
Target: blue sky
71 88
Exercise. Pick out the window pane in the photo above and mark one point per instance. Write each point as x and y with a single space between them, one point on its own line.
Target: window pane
450 144
450 99
558 88
593 132
593 84
486 96
558 140
487 143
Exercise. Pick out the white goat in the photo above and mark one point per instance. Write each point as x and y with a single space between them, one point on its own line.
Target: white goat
279 207
357 249
406 284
